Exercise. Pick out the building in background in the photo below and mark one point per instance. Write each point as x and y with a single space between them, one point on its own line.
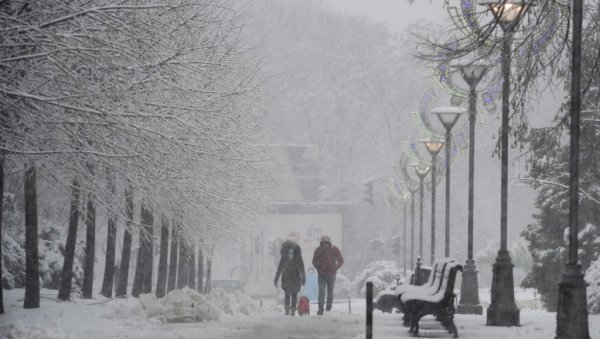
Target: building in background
295 211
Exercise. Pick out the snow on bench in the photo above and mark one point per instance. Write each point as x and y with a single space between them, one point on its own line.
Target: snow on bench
418 303
389 299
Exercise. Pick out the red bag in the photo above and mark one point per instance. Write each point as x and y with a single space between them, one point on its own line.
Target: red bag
303 306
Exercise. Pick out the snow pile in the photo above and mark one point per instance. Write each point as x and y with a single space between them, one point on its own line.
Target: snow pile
187 305
20 330
233 303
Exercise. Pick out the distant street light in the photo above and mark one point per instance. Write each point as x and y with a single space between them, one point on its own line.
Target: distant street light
472 72
433 147
422 170
405 199
503 310
448 117
412 189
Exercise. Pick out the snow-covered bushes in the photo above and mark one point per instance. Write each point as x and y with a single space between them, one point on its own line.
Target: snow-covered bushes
50 254
383 274
13 263
343 286
593 290
187 305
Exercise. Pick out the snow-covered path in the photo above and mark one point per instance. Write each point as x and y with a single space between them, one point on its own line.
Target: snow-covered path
124 318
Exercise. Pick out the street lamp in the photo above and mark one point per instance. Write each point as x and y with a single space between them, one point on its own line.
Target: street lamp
572 316
448 117
472 72
422 170
502 310
405 197
433 147
412 189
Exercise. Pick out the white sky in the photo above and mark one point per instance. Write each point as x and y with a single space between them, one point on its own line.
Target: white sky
396 13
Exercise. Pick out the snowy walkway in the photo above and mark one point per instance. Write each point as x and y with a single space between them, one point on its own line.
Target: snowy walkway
123 318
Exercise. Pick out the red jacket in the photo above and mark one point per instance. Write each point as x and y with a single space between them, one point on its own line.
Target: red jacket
327 260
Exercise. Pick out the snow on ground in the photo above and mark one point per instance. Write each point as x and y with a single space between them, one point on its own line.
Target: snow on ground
125 318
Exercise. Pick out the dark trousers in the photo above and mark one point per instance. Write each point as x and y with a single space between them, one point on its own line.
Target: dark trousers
290 305
326 283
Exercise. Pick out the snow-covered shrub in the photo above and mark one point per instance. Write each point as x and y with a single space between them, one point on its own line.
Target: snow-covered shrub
13 263
383 274
593 290
50 254
343 286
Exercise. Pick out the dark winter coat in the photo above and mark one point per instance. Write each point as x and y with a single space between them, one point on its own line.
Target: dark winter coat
327 260
292 273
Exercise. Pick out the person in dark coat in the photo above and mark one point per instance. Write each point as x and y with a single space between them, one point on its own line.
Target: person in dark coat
327 260
291 271
290 243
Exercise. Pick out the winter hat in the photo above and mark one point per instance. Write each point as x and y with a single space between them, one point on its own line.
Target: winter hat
293 236
326 238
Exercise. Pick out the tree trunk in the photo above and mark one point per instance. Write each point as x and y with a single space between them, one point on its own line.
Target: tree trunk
192 268
208 273
109 267
1 203
161 280
32 275
90 250
173 260
138 279
126 253
111 239
182 265
148 224
64 292
142 283
200 271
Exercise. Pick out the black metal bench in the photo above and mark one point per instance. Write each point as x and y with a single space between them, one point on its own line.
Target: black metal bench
418 303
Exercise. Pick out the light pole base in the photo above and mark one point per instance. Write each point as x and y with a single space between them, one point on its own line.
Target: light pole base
469 309
572 315
503 310
469 291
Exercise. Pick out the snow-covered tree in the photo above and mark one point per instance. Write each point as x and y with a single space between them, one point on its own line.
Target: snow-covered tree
155 96
549 174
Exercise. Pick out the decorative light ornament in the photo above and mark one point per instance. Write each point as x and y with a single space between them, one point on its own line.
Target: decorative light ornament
554 25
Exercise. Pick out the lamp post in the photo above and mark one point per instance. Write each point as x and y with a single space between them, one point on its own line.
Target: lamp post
405 198
448 117
472 71
422 171
572 316
502 310
433 147
412 189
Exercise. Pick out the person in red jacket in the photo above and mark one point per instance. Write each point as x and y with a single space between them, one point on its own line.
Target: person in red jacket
327 260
